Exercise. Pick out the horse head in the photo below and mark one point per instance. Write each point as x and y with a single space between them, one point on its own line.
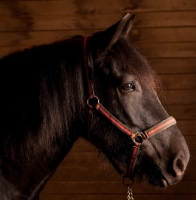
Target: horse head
126 88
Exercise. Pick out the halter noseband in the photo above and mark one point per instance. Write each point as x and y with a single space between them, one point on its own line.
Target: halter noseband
137 138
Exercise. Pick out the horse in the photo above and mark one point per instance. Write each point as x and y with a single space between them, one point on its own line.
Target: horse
100 88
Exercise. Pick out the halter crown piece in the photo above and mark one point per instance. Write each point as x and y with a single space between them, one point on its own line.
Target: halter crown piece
137 138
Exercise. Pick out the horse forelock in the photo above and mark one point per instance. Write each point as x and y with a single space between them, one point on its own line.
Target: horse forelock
128 59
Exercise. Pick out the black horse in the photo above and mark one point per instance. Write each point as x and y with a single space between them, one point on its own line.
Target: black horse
53 94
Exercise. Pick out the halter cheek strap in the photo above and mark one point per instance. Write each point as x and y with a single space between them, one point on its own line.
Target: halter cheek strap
137 138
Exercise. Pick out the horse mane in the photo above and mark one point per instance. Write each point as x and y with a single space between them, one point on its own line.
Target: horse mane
44 88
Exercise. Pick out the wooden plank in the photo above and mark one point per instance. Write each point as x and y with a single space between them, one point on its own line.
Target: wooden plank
115 196
135 6
179 97
142 35
168 50
85 173
173 65
176 34
66 186
187 127
94 21
185 112
191 142
11 8
82 158
108 187
179 81
192 163
53 7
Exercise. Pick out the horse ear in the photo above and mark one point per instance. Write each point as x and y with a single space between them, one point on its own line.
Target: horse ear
120 29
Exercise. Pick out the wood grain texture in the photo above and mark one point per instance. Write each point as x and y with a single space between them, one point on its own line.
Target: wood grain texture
173 65
99 173
107 187
168 50
179 97
53 7
20 22
116 196
179 81
143 35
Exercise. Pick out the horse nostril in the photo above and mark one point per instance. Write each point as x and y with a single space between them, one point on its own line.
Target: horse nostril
178 167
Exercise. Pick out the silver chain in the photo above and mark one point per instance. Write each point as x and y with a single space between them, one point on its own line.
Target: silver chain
129 193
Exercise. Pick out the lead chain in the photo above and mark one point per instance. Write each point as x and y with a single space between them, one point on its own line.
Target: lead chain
129 193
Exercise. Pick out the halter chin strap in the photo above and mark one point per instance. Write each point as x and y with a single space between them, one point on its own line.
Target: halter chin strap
136 137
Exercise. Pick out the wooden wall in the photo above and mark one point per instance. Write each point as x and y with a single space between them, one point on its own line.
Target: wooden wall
165 31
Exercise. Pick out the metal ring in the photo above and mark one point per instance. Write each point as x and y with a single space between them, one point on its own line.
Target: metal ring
92 101
123 180
138 135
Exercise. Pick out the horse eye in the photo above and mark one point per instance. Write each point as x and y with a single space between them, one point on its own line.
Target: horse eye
128 86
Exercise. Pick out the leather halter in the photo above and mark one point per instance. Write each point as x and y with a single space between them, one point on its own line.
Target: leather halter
136 137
